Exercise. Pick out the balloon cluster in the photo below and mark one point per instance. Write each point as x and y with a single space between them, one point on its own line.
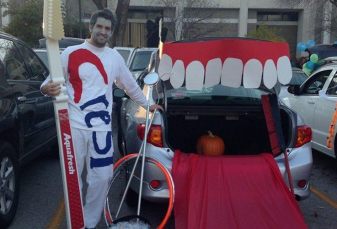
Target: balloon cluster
301 46
310 65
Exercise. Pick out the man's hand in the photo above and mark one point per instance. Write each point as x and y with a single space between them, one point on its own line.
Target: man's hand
156 106
51 89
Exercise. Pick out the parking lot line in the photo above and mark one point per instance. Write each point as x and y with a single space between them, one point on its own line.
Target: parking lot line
58 216
324 197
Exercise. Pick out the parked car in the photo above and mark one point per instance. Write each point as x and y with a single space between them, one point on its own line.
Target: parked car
42 53
234 114
323 50
126 53
27 124
140 60
298 78
63 43
315 100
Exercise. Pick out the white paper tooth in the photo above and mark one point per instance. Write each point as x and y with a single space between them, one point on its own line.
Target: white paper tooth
195 76
252 74
231 74
269 74
213 72
165 67
178 74
284 72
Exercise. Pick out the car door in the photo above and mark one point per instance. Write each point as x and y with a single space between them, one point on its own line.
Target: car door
44 121
325 109
305 102
26 88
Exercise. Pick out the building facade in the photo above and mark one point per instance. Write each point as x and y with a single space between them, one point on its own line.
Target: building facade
229 18
295 23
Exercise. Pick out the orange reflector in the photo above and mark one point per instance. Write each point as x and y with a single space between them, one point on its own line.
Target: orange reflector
301 183
155 184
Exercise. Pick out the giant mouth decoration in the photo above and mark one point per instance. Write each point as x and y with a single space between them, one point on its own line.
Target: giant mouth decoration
228 61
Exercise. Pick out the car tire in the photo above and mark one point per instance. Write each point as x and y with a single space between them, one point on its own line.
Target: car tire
9 184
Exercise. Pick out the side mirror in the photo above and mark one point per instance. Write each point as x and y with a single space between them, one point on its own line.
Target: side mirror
294 89
151 78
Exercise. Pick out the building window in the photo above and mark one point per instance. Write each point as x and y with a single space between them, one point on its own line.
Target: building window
276 16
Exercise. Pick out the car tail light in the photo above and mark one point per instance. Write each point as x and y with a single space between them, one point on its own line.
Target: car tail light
304 135
154 136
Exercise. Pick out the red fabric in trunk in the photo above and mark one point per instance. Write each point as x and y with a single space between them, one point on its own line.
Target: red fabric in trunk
232 192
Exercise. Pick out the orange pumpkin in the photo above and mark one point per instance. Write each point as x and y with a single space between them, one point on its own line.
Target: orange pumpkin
210 145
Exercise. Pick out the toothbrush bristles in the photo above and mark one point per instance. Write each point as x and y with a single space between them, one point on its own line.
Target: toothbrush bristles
52 20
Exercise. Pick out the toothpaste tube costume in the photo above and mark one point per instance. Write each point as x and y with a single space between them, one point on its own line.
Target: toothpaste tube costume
90 72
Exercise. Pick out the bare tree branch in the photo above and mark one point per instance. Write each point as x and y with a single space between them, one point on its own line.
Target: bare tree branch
194 12
100 4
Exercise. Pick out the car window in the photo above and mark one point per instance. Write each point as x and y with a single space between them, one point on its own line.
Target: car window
140 61
298 78
43 56
332 89
125 54
15 68
316 82
38 70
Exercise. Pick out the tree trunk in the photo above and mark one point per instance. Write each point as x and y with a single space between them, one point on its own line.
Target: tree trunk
121 22
100 4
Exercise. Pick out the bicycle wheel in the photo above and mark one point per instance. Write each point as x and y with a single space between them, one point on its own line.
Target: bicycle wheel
115 206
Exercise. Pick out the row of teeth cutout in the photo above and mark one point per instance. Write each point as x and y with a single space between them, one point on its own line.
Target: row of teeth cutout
229 73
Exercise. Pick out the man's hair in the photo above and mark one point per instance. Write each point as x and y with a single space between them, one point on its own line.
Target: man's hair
105 13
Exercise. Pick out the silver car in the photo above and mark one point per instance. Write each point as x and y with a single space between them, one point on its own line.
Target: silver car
234 114
140 60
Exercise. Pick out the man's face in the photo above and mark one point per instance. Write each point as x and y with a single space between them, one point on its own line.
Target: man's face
101 32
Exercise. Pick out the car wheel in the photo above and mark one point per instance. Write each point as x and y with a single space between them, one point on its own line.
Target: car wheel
9 188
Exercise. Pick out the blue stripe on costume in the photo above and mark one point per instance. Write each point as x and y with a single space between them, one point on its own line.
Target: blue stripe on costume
108 141
100 162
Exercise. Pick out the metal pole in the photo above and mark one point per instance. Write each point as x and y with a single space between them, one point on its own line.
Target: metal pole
144 149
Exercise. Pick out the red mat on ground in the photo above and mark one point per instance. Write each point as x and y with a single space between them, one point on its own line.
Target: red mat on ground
232 192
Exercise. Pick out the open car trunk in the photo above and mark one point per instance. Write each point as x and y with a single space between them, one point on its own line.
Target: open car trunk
242 128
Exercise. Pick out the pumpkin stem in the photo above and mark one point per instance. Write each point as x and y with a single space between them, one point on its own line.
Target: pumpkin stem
210 134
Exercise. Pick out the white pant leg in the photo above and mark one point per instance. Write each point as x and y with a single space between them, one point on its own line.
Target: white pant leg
100 171
80 142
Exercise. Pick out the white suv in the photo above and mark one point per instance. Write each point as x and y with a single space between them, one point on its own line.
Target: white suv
315 100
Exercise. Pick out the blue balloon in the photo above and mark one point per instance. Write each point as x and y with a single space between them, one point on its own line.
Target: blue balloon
310 43
301 47
310 65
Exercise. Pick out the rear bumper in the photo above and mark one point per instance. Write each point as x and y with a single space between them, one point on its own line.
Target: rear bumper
300 162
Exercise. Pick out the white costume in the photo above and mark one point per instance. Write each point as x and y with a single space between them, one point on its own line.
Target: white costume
90 72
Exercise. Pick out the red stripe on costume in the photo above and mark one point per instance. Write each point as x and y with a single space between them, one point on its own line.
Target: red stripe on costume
77 58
